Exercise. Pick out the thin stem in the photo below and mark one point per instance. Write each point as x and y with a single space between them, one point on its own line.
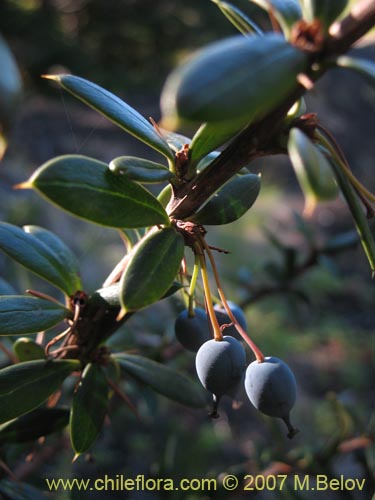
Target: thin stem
193 283
44 296
218 336
336 151
257 352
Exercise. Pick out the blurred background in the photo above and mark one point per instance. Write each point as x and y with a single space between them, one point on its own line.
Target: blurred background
305 285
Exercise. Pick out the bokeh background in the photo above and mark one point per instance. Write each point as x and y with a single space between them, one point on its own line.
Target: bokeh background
320 319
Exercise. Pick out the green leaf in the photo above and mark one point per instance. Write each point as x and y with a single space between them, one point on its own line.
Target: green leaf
140 170
67 260
232 201
40 422
357 211
72 182
152 268
175 141
27 349
165 195
287 12
211 135
163 379
26 386
43 253
6 288
20 314
238 78
89 408
115 109
242 22
207 160
313 171
362 66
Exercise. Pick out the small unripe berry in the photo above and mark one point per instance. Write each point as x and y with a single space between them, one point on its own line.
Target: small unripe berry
271 387
224 319
220 366
192 331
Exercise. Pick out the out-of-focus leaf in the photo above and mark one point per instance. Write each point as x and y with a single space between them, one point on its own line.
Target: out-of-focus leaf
232 201
40 422
238 78
26 386
140 170
73 182
326 11
15 490
151 269
364 67
20 314
175 141
115 109
43 253
314 172
340 242
287 12
206 160
240 20
27 349
10 83
165 195
89 408
6 288
163 379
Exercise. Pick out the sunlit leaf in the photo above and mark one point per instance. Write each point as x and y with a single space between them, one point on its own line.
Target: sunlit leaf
27 349
163 379
231 202
26 386
43 253
240 20
89 408
238 78
140 170
20 314
115 109
72 182
152 268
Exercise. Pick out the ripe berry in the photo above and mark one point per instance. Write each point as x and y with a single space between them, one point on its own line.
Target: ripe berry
220 366
271 387
224 319
192 331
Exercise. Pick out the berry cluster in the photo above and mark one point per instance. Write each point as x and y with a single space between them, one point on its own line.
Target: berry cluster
221 364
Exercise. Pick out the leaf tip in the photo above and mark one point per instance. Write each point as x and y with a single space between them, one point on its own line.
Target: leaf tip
77 455
23 185
55 78
121 314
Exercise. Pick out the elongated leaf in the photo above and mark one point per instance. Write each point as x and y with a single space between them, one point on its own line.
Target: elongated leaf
207 160
43 253
20 314
89 408
6 288
287 12
151 269
88 189
140 170
162 379
165 195
238 78
364 67
175 141
356 209
115 109
242 22
313 171
232 201
40 422
27 349
212 135
26 386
